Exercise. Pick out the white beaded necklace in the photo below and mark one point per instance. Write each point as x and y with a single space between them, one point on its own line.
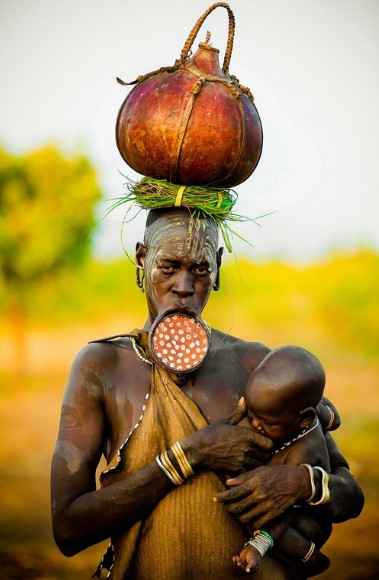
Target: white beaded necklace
138 352
304 432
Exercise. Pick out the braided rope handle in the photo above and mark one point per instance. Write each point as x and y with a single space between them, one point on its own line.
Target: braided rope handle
188 44
192 35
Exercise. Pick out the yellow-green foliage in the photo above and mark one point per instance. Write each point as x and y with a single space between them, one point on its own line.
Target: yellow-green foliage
345 292
46 214
332 302
330 305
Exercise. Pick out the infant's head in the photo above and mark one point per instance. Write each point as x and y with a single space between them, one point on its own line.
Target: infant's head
283 391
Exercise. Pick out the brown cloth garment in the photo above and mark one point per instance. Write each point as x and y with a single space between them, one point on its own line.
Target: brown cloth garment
188 536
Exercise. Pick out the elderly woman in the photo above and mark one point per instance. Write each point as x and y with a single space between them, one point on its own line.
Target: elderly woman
166 438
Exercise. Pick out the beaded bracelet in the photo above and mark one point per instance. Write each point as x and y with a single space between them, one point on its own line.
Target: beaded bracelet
261 541
268 536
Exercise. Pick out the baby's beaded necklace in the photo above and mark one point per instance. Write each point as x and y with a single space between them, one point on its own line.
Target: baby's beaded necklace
304 432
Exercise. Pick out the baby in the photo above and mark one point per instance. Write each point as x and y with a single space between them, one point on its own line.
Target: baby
281 397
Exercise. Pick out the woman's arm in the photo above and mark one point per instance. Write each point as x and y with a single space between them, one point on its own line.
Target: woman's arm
82 515
265 493
328 414
346 496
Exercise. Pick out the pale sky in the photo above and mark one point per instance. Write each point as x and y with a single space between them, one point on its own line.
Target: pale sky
312 66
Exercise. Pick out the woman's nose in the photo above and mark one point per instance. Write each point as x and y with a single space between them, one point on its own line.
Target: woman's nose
183 284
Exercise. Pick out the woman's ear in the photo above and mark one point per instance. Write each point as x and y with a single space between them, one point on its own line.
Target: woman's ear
307 415
140 255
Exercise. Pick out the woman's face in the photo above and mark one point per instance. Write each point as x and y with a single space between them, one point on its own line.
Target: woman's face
180 263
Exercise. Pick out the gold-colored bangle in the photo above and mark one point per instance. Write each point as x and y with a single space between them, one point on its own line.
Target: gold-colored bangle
170 468
168 474
308 555
325 496
312 481
182 460
332 417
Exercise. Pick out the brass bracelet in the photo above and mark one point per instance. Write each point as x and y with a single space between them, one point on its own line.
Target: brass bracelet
308 555
332 416
158 460
165 460
325 496
182 460
312 481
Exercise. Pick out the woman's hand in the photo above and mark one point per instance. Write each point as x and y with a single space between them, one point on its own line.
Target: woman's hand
259 496
227 446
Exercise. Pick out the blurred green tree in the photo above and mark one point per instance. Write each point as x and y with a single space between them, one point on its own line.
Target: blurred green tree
47 203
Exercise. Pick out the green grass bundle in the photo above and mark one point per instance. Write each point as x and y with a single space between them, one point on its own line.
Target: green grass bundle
216 202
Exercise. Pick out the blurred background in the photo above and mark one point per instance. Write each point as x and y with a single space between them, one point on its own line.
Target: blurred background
311 277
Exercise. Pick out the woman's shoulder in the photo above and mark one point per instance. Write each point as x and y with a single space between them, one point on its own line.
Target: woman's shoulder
251 353
103 353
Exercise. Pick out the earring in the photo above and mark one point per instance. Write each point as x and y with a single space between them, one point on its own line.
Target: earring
216 285
139 280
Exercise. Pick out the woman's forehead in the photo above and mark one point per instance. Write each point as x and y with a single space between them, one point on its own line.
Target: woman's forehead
181 233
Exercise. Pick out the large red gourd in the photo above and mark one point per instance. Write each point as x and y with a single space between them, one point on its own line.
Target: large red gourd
193 123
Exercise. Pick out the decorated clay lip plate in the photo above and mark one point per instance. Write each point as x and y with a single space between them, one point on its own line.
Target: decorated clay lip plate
179 342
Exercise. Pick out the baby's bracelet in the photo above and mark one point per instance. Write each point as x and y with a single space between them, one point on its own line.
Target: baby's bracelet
325 494
262 541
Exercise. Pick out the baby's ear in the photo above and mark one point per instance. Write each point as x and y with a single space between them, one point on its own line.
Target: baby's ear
307 415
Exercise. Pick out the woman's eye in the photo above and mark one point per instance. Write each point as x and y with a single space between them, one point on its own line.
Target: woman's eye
167 269
201 270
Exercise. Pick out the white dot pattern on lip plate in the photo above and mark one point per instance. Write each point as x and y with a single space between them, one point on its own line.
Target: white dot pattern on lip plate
180 342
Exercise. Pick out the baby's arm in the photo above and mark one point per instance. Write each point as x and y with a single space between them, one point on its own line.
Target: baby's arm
250 557
249 560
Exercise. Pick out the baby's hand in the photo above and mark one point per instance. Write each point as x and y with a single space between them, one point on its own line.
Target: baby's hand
248 561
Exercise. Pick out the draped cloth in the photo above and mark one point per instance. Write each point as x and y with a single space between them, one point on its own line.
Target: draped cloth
187 536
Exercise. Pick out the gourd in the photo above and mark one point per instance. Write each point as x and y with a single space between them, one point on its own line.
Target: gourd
192 123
